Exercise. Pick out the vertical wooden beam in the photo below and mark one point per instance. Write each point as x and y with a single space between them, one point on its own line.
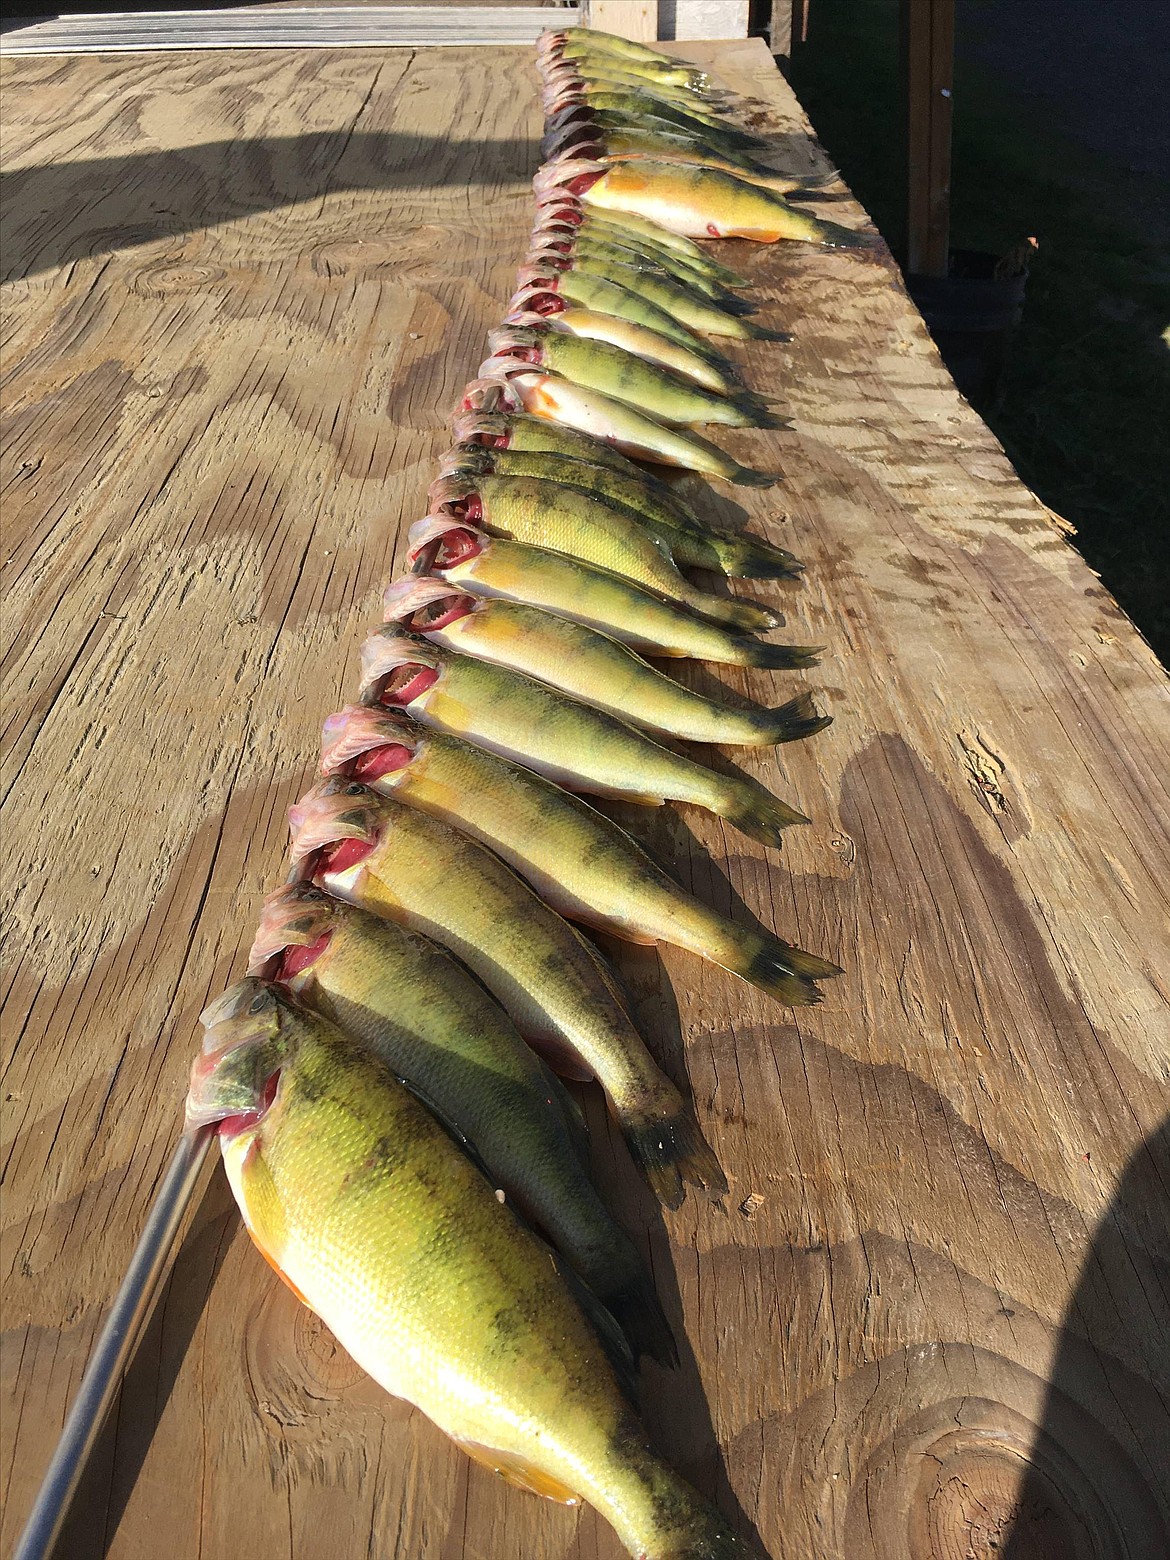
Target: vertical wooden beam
797 23
636 19
928 53
780 27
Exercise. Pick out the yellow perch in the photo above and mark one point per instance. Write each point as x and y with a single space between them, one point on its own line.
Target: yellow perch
580 861
560 737
376 1220
397 862
418 1010
590 665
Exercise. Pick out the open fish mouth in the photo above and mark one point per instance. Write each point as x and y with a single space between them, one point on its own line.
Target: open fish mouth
575 174
486 427
535 301
296 922
442 541
421 603
366 743
517 339
333 813
396 667
489 394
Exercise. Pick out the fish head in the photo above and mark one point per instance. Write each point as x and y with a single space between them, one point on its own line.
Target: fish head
468 458
550 43
503 365
546 258
536 299
529 320
556 219
492 430
563 204
236 1075
573 140
575 174
567 113
489 395
297 921
369 743
398 667
333 827
455 498
421 604
441 542
522 342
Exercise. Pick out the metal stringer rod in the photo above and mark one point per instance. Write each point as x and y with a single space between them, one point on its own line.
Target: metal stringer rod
114 1346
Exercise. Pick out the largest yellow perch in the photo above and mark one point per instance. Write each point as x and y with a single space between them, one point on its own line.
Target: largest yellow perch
374 1217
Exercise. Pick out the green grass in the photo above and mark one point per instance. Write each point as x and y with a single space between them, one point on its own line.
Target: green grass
1084 407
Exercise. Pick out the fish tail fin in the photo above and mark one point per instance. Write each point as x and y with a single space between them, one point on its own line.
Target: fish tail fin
723 274
758 411
745 476
833 236
745 558
611 1333
786 973
730 610
638 1312
669 1149
756 812
794 721
738 308
776 658
680 1524
765 333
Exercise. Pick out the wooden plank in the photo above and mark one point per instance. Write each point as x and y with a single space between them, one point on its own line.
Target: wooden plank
932 1317
928 43
286 27
685 19
780 29
635 19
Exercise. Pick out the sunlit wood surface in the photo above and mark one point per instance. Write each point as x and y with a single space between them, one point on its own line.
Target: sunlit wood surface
931 1320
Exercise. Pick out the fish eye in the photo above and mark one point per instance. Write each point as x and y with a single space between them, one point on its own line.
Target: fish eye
259 1002
355 789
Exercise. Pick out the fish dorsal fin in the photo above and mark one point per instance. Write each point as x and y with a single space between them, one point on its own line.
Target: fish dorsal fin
517 1470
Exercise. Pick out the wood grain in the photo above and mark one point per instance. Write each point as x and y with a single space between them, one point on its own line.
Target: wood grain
932 1318
636 19
290 26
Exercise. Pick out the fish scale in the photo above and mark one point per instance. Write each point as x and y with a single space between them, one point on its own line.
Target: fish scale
415 1007
600 670
570 520
554 986
385 1230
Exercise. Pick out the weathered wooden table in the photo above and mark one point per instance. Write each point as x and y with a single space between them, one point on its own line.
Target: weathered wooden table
932 1317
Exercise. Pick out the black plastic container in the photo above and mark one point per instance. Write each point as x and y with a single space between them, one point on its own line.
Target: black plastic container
971 314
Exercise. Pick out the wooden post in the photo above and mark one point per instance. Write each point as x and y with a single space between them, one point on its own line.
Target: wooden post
636 19
928 52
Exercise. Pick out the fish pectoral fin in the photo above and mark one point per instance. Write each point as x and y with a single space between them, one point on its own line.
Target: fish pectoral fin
278 1270
518 1471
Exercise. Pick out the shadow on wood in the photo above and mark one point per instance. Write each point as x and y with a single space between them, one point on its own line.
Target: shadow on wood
122 202
1084 1496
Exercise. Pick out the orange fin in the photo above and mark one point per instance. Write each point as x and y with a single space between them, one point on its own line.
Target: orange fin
516 1470
278 1270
